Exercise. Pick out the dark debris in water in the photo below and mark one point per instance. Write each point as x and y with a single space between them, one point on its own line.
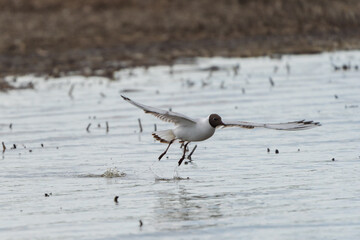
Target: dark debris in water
351 106
88 127
140 125
107 127
271 82
345 67
70 93
4 147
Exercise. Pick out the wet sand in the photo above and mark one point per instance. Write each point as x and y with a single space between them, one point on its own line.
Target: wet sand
55 38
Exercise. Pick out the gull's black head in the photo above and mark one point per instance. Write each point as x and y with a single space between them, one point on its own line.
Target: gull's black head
215 120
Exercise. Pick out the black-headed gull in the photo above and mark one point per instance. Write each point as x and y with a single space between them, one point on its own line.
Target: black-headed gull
193 130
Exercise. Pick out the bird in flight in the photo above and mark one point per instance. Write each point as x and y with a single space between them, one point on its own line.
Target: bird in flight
188 129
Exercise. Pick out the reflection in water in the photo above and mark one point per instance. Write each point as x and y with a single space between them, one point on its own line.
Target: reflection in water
180 208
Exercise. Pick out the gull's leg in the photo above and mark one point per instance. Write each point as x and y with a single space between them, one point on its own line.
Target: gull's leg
183 156
166 149
189 156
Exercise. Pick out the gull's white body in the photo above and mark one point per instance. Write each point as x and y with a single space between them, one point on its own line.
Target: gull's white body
199 131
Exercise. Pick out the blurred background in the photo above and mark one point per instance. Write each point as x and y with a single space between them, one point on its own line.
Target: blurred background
55 36
70 143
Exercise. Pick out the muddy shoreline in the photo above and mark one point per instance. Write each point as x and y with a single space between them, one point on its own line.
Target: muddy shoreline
56 38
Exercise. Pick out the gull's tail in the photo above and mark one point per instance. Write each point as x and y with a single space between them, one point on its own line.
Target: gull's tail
164 136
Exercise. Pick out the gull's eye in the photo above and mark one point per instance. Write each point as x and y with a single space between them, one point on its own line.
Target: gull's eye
215 119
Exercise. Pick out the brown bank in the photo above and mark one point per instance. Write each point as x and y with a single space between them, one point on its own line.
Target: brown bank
55 37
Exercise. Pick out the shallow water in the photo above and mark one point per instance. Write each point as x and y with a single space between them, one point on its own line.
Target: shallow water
233 189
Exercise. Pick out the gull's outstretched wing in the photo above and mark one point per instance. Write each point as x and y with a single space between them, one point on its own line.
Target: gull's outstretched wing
166 116
289 126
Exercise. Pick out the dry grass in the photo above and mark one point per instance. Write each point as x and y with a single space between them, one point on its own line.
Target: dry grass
56 35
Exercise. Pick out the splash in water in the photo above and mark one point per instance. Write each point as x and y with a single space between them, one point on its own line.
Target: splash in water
109 173
113 173
175 177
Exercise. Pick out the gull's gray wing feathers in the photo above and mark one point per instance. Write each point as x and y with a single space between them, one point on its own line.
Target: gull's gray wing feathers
289 126
166 116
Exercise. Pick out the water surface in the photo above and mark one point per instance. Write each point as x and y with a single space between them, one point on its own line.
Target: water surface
233 189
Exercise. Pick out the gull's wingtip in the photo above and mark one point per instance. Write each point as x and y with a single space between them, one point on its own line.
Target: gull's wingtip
311 123
125 98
